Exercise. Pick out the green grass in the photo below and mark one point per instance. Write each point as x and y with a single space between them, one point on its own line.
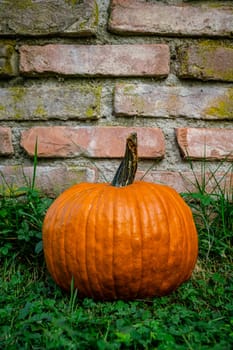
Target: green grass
36 314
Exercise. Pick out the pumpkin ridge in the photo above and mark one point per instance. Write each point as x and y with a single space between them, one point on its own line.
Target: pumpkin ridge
77 208
188 231
184 210
159 234
140 229
51 222
88 232
69 239
110 208
61 237
168 208
119 251
192 243
64 212
135 231
90 237
96 211
182 239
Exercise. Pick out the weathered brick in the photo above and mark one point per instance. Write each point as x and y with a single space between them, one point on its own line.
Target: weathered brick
51 101
211 144
6 147
186 181
51 180
96 60
148 100
98 142
142 17
8 59
206 61
53 17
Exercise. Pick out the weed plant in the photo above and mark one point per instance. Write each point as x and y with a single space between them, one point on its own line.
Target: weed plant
20 223
36 314
212 206
21 216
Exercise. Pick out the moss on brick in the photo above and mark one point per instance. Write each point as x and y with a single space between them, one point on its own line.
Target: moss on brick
17 95
128 89
95 15
9 67
208 48
22 103
196 61
71 2
135 99
77 175
93 111
24 4
183 58
87 22
2 110
90 112
221 107
40 111
71 17
139 103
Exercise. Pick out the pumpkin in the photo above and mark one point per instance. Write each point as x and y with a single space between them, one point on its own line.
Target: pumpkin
124 240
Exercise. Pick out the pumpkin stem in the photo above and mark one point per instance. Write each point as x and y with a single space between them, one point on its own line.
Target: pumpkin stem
127 169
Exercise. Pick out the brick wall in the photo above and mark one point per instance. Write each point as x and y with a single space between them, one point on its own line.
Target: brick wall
78 76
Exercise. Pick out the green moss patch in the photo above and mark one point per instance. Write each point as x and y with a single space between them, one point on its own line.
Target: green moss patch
221 107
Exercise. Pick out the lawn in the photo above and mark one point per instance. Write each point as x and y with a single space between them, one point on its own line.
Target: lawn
36 314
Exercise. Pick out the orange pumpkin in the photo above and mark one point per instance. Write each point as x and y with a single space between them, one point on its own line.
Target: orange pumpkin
122 240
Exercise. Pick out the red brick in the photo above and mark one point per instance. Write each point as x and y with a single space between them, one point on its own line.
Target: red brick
149 100
96 60
206 61
98 142
6 147
142 17
51 180
53 17
186 181
211 144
